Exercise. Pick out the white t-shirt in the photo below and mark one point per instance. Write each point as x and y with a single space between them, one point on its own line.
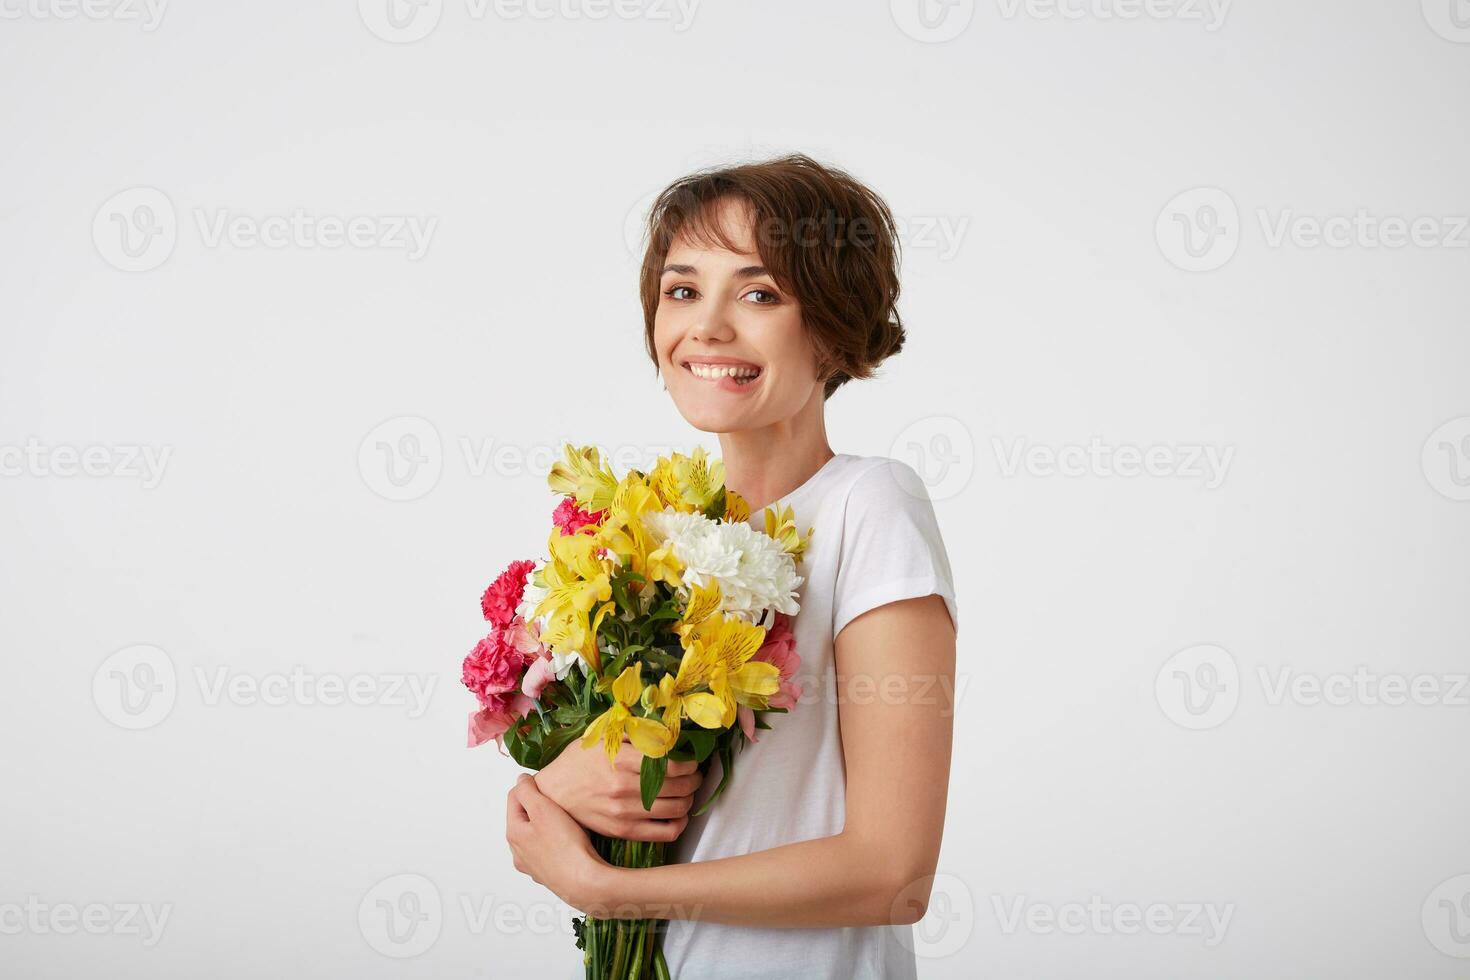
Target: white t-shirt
874 541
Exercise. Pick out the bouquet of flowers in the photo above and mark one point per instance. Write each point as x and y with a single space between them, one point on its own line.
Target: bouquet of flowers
661 615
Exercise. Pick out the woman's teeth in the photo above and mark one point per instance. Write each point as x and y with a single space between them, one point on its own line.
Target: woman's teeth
714 372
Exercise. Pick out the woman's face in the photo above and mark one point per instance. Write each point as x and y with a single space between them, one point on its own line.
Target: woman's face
730 344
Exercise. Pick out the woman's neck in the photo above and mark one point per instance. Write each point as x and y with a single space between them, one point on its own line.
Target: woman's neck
765 464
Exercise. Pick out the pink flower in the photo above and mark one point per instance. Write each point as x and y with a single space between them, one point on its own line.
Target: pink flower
494 672
496 718
538 675
779 648
525 637
493 668
571 518
746 717
500 600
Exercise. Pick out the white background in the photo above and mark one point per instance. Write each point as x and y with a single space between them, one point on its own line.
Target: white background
1037 160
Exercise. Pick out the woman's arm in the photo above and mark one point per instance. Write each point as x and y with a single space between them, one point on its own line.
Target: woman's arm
895 674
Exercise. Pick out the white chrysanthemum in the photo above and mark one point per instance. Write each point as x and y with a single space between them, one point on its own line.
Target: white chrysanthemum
531 597
753 571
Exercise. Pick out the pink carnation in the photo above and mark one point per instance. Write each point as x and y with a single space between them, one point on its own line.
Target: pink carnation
493 668
500 600
493 672
779 648
571 518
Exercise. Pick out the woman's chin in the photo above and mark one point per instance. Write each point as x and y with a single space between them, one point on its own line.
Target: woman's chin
714 418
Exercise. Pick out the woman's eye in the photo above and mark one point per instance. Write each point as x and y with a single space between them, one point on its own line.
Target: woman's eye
680 292
768 297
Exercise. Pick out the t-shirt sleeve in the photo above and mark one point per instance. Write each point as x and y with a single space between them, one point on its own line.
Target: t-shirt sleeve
891 546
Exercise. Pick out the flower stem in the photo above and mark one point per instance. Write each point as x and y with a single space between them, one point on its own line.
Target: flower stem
625 949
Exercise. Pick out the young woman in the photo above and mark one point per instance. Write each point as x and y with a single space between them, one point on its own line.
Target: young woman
765 288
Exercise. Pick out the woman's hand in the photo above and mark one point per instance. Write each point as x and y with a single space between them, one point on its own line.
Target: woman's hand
548 845
605 799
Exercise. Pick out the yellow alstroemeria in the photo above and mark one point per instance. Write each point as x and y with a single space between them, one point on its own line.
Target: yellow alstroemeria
567 631
623 533
704 602
781 525
716 675
576 580
688 483
648 735
586 476
661 481
737 508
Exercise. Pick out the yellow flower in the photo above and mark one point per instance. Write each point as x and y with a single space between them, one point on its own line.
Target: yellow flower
585 476
576 580
688 483
703 602
647 735
737 508
782 526
623 533
716 674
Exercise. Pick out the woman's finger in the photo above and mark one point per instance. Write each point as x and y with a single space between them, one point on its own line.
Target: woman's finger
629 758
658 831
535 803
680 785
515 814
665 808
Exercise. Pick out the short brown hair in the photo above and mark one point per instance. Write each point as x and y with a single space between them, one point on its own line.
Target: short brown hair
827 239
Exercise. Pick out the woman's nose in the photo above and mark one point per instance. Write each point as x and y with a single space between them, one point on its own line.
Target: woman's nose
713 327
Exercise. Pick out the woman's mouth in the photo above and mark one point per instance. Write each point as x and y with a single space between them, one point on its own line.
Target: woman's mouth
725 377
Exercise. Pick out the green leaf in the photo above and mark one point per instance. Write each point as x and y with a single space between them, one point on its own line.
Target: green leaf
727 767
570 715
696 744
524 749
716 510
651 779
557 740
618 663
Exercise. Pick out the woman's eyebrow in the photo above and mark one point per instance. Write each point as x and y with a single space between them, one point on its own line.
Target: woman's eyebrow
748 272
